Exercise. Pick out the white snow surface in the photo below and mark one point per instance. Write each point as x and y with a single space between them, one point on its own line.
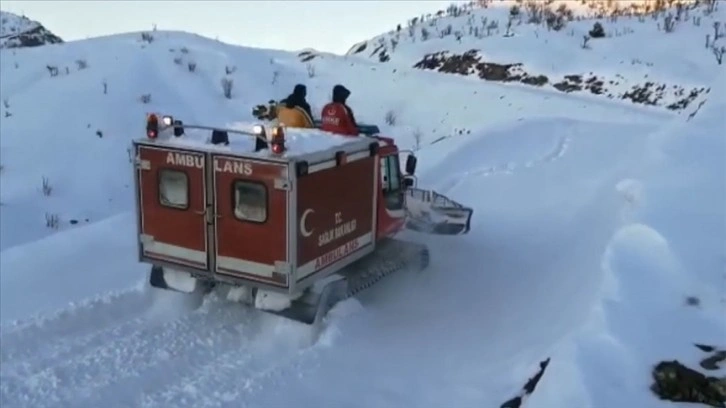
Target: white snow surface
593 221
297 141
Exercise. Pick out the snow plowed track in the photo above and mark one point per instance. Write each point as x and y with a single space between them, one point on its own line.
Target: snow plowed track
115 353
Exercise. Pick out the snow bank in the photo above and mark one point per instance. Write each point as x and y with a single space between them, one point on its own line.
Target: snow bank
297 141
53 272
670 248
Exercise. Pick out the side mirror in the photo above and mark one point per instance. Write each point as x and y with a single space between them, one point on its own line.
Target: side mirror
408 182
411 164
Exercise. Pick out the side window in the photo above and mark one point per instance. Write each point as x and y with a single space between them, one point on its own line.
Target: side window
390 173
384 173
173 189
250 201
391 182
394 173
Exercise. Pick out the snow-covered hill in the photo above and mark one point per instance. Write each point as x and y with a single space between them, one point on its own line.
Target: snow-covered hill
636 55
597 238
19 31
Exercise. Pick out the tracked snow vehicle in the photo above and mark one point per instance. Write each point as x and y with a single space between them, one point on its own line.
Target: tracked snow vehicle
290 221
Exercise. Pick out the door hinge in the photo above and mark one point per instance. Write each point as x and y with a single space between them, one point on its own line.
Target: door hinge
283 184
142 164
208 214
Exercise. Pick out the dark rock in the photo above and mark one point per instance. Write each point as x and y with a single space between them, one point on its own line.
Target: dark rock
705 348
675 382
31 38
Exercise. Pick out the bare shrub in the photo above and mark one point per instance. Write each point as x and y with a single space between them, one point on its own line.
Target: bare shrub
52 221
52 70
311 70
6 103
275 75
184 50
585 42
147 37
192 66
46 187
227 85
178 60
718 52
229 70
669 23
105 87
145 98
417 135
390 118
81 64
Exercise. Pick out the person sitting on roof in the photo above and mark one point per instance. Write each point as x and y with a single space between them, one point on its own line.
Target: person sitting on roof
294 111
337 116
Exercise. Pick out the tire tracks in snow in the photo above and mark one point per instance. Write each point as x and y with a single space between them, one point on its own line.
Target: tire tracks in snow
222 346
122 352
553 155
228 373
34 339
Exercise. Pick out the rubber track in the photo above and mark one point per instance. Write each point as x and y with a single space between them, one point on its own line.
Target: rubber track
391 256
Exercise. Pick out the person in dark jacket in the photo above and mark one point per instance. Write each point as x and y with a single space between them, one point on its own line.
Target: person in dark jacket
337 116
297 98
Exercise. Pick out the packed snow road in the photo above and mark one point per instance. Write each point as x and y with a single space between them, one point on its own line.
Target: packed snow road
472 326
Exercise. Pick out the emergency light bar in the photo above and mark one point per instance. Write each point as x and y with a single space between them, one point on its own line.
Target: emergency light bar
153 128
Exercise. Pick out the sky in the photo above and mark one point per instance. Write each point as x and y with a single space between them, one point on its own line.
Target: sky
332 26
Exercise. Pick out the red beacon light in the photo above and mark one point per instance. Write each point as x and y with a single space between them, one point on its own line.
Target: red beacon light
152 126
277 140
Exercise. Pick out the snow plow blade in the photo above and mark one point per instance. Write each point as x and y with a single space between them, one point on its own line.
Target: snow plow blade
391 256
434 213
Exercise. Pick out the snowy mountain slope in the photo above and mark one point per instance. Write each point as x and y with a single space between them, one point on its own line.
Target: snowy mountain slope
535 278
19 31
635 60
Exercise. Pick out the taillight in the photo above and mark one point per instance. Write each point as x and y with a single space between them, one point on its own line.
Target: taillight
278 140
152 126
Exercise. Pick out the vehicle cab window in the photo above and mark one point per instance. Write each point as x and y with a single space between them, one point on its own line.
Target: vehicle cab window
391 182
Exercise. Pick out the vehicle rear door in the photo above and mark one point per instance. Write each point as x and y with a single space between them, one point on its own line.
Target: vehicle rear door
251 220
172 198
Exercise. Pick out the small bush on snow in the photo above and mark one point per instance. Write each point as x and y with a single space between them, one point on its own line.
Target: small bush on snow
585 42
52 70
390 118
82 64
192 66
417 135
52 221
145 98
147 37
229 70
178 60
311 70
46 188
718 52
227 85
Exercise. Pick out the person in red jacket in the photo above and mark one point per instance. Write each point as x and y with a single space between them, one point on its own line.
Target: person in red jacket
337 117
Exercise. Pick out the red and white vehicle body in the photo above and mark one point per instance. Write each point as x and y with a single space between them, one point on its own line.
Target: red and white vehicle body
272 221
